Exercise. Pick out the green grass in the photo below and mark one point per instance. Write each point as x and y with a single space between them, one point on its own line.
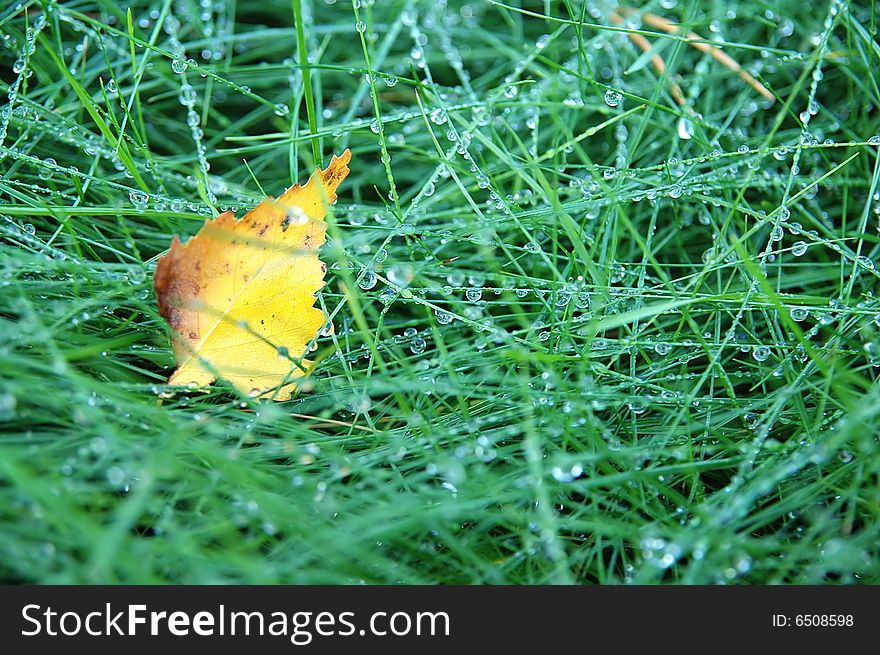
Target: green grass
571 343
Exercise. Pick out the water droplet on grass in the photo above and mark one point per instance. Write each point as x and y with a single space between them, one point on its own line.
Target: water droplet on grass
136 274
178 66
444 317
760 353
47 171
612 98
438 116
139 199
401 274
187 95
368 280
685 128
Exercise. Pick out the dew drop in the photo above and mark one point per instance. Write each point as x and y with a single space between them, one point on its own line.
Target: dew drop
438 117
612 98
444 318
296 216
368 280
139 199
401 274
46 172
685 128
760 353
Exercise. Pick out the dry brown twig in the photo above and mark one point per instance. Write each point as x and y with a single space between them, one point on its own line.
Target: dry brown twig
695 41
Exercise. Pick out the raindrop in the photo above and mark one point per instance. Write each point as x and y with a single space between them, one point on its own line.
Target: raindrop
777 233
136 275
761 353
295 216
46 173
685 128
612 98
115 476
799 248
401 274
417 347
474 294
139 199
178 66
799 314
438 117
187 95
368 280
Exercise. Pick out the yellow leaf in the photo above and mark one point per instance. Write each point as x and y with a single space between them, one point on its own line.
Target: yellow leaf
239 296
